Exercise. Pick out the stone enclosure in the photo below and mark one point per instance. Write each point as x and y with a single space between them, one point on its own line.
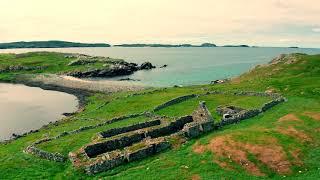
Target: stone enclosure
117 146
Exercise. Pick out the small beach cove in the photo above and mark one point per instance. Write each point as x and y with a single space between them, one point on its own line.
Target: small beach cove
24 108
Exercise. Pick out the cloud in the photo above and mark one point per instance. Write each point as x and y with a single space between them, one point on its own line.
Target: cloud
317 30
119 21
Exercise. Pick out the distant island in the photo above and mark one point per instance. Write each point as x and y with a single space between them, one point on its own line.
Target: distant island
166 45
66 44
49 44
243 45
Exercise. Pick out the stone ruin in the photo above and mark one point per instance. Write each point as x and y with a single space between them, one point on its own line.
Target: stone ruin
122 145
118 146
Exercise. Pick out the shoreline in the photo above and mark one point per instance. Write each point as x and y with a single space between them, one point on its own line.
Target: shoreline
81 95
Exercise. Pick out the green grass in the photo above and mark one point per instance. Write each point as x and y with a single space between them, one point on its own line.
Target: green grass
55 63
299 82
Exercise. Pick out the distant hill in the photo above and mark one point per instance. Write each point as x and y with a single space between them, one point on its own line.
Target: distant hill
49 44
165 45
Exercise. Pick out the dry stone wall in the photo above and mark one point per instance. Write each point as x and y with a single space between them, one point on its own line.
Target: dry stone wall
116 131
174 101
45 155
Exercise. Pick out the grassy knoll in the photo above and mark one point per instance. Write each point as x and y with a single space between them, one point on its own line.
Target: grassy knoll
282 142
44 62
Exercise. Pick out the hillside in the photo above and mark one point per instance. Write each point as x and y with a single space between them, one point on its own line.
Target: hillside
49 44
280 142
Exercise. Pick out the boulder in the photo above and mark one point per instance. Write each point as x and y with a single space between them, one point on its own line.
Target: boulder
146 66
164 66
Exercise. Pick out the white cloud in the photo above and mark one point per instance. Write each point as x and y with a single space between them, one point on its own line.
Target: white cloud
316 29
118 21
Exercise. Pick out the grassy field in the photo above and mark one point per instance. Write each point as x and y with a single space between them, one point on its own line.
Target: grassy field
282 142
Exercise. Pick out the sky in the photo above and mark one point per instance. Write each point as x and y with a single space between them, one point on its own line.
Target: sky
253 22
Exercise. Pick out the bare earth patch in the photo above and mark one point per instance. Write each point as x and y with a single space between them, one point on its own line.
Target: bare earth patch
293 132
271 154
196 177
198 148
313 115
223 146
296 155
289 117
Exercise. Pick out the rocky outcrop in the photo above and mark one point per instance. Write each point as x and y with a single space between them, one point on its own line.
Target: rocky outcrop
286 58
116 69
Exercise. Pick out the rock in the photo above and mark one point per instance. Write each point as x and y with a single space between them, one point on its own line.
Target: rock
164 66
177 86
114 70
128 79
15 136
218 81
286 58
225 116
68 114
146 66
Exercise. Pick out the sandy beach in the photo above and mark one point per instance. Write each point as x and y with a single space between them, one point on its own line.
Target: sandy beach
86 85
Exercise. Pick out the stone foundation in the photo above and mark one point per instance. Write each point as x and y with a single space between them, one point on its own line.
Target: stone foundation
115 158
127 139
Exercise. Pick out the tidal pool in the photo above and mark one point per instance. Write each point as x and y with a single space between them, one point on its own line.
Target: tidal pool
24 108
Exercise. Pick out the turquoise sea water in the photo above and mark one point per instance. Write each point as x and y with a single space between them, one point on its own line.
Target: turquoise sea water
186 66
